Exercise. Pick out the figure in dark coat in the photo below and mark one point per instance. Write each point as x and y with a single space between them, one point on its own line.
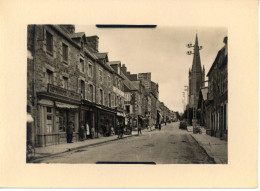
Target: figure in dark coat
82 132
69 132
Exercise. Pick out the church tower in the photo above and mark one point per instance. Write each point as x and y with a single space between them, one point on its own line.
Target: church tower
196 76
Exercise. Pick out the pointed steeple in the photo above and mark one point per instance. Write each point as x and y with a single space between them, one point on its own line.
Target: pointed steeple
196 64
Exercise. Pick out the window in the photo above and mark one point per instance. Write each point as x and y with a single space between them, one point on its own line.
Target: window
100 75
90 70
91 92
82 89
127 108
115 101
49 41
101 96
109 100
108 80
82 68
64 52
49 77
49 120
65 82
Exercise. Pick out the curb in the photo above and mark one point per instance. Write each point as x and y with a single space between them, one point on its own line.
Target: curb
204 150
76 148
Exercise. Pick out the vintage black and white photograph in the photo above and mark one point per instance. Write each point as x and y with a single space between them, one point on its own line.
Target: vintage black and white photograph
127 95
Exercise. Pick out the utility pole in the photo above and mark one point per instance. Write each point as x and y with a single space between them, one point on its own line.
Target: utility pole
196 49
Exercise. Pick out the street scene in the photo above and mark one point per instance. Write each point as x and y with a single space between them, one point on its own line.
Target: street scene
126 96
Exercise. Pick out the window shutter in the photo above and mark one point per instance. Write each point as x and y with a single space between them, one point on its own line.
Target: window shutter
86 90
94 90
112 100
98 96
53 46
79 86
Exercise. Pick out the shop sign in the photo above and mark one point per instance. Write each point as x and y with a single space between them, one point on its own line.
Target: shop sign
63 92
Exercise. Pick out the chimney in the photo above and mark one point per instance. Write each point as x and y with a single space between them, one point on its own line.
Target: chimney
68 28
226 45
124 69
92 41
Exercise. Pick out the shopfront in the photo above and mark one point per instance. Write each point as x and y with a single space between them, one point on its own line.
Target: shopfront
55 111
105 121
87 117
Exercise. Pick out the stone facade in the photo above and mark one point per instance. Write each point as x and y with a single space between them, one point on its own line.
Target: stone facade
217 103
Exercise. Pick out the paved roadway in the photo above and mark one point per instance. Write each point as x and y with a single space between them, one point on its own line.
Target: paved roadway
168 146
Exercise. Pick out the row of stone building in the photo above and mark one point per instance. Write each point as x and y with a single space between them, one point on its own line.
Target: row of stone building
69 80
213 100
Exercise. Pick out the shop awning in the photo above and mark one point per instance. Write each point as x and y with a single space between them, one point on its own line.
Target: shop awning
120 114
65 105
29 118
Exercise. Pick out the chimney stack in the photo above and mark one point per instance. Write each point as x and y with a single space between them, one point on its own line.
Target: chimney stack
92 41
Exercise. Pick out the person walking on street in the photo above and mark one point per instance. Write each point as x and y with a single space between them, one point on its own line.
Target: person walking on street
69 132
81 132
139 129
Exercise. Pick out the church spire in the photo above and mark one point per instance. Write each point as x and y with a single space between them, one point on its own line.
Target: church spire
196 64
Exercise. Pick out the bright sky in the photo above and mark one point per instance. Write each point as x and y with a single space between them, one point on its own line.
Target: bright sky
161 51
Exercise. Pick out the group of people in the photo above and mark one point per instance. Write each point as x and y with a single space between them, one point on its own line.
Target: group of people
84 133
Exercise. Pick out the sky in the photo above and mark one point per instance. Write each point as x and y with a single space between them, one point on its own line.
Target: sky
161 51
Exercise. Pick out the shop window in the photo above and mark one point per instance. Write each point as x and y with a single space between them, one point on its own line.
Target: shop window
49 77
49 120
49 42
65 52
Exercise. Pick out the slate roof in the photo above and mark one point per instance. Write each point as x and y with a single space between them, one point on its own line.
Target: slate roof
128 83
114 62
100 55
77 35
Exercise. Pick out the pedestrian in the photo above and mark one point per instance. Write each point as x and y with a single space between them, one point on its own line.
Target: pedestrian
87 131
160 126
165 123
92 133
69 132
81 132
139 129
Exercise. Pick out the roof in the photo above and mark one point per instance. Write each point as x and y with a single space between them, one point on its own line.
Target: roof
101 55
216 59
114 62
128 83
89 52
77 35
204 92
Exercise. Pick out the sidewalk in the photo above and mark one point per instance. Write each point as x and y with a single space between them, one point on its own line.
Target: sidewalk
214 147
42 152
